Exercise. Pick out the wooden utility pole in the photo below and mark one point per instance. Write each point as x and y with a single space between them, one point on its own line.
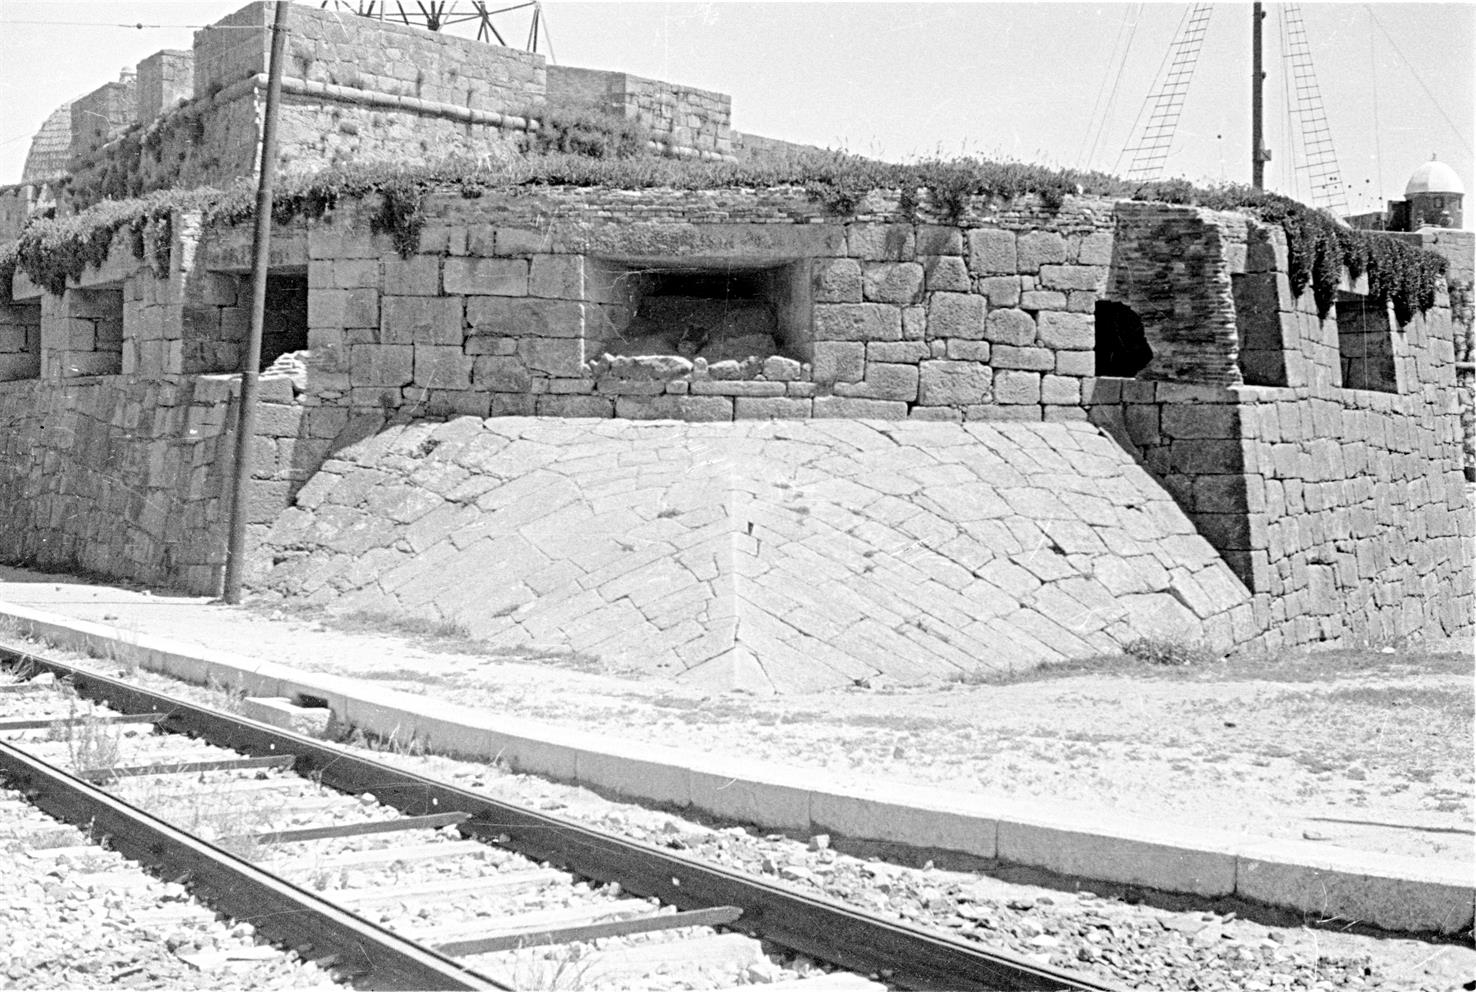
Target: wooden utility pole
251 361
1259 155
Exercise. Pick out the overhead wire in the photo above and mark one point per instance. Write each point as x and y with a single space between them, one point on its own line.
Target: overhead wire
1373 76
1434 102
1083 156
1106 115
1289 175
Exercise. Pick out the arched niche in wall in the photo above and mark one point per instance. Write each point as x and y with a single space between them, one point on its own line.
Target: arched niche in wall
1122 348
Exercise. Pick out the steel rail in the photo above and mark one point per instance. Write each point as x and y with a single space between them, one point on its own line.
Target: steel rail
817 926
279 909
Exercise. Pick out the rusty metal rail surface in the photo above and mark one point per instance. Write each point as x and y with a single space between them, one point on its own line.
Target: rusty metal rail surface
822 928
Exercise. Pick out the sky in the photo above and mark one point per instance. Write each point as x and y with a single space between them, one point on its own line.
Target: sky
1056 83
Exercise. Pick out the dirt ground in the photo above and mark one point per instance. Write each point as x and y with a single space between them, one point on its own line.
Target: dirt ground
1363 749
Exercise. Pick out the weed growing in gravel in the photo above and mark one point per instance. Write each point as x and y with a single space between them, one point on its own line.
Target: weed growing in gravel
122 653
562 967
211 811
411 745
230 698
90 742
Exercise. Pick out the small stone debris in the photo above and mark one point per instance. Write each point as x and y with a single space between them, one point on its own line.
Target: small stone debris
96 921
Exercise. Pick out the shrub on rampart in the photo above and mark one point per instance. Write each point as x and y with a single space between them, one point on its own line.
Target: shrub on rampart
1319 247
584 129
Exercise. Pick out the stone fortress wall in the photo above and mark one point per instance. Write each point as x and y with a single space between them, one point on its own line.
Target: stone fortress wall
354 90
1341 510
1317 456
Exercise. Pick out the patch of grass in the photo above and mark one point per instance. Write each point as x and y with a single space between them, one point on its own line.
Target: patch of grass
1393 698
1065 668
394 742
1169 651
431 633
406 675
1326 665
230 698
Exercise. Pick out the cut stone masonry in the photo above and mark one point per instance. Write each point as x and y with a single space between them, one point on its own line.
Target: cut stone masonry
1318 454
1341 511
760 556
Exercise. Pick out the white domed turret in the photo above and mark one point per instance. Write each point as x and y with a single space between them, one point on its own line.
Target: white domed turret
1434 177
1435 193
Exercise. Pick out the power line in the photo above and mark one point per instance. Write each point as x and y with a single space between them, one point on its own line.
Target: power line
1130 23
136 27
1373 76
1415 73
1144 108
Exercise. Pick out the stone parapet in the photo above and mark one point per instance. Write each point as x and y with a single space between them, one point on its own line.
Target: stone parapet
165 79
682 119
340 48
99 115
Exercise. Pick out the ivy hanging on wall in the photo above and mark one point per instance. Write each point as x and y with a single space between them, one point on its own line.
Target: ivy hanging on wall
1319 248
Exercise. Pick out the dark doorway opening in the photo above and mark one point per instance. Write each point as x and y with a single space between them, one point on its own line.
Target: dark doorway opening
284 326
1122 347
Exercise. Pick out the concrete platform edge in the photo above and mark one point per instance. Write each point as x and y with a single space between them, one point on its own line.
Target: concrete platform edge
1398 894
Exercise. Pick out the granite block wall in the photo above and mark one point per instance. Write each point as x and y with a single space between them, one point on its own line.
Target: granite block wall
1341 509
19 203
20 340
128 476
518 304
331 46
164 79
1339 500
100 114
683 120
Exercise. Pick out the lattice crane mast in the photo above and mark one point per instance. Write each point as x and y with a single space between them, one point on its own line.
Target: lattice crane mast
438 15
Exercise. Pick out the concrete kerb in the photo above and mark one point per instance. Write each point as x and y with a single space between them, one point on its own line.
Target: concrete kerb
1123 850
1387 891
1394 893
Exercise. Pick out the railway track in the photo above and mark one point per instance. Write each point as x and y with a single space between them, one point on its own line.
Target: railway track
405 882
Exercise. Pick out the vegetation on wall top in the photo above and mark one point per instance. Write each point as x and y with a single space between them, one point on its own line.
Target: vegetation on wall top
584 129
1319 248
52 251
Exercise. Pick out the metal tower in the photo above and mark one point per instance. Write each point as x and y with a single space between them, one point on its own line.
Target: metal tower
438 15
1166 101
